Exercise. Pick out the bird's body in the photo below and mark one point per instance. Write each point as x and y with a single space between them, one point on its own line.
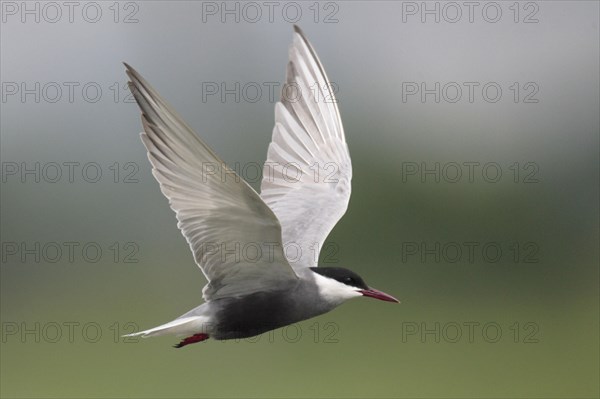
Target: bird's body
251 293
258 312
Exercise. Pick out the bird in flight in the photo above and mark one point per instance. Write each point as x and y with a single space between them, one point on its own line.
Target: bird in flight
258 252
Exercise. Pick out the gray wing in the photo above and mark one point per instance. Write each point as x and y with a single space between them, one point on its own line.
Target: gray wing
306 179
234 236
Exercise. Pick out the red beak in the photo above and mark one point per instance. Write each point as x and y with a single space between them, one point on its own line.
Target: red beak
382 296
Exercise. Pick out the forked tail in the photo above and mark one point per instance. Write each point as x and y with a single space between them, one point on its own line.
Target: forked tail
192 325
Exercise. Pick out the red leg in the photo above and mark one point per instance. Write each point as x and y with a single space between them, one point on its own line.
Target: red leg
192 340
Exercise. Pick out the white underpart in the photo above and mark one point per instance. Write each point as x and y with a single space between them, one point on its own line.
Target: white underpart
335 292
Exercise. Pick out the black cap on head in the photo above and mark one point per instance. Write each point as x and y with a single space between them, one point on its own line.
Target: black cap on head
342 275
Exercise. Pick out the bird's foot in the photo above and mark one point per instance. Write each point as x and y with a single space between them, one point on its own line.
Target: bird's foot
192 340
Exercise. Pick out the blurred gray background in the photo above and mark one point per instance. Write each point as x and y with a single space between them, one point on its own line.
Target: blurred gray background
515 317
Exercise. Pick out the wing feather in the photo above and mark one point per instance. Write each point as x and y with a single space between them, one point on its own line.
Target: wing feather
234 236
306 179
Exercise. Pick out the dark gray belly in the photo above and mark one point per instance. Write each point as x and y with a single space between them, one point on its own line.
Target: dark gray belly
257 313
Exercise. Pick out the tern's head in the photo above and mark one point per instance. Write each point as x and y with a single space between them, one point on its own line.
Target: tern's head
337 285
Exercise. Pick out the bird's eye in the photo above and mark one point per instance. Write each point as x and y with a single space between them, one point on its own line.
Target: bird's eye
349 280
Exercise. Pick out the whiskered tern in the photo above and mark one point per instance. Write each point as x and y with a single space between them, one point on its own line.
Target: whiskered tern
258 251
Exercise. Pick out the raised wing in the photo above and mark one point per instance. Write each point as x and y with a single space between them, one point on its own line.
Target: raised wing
306 179
234 236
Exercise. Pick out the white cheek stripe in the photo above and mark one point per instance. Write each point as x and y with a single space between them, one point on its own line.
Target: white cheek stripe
333 291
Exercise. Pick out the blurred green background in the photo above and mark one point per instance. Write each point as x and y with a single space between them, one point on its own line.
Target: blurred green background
533 313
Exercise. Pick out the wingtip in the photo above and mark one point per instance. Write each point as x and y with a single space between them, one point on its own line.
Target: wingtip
298 30
131 72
